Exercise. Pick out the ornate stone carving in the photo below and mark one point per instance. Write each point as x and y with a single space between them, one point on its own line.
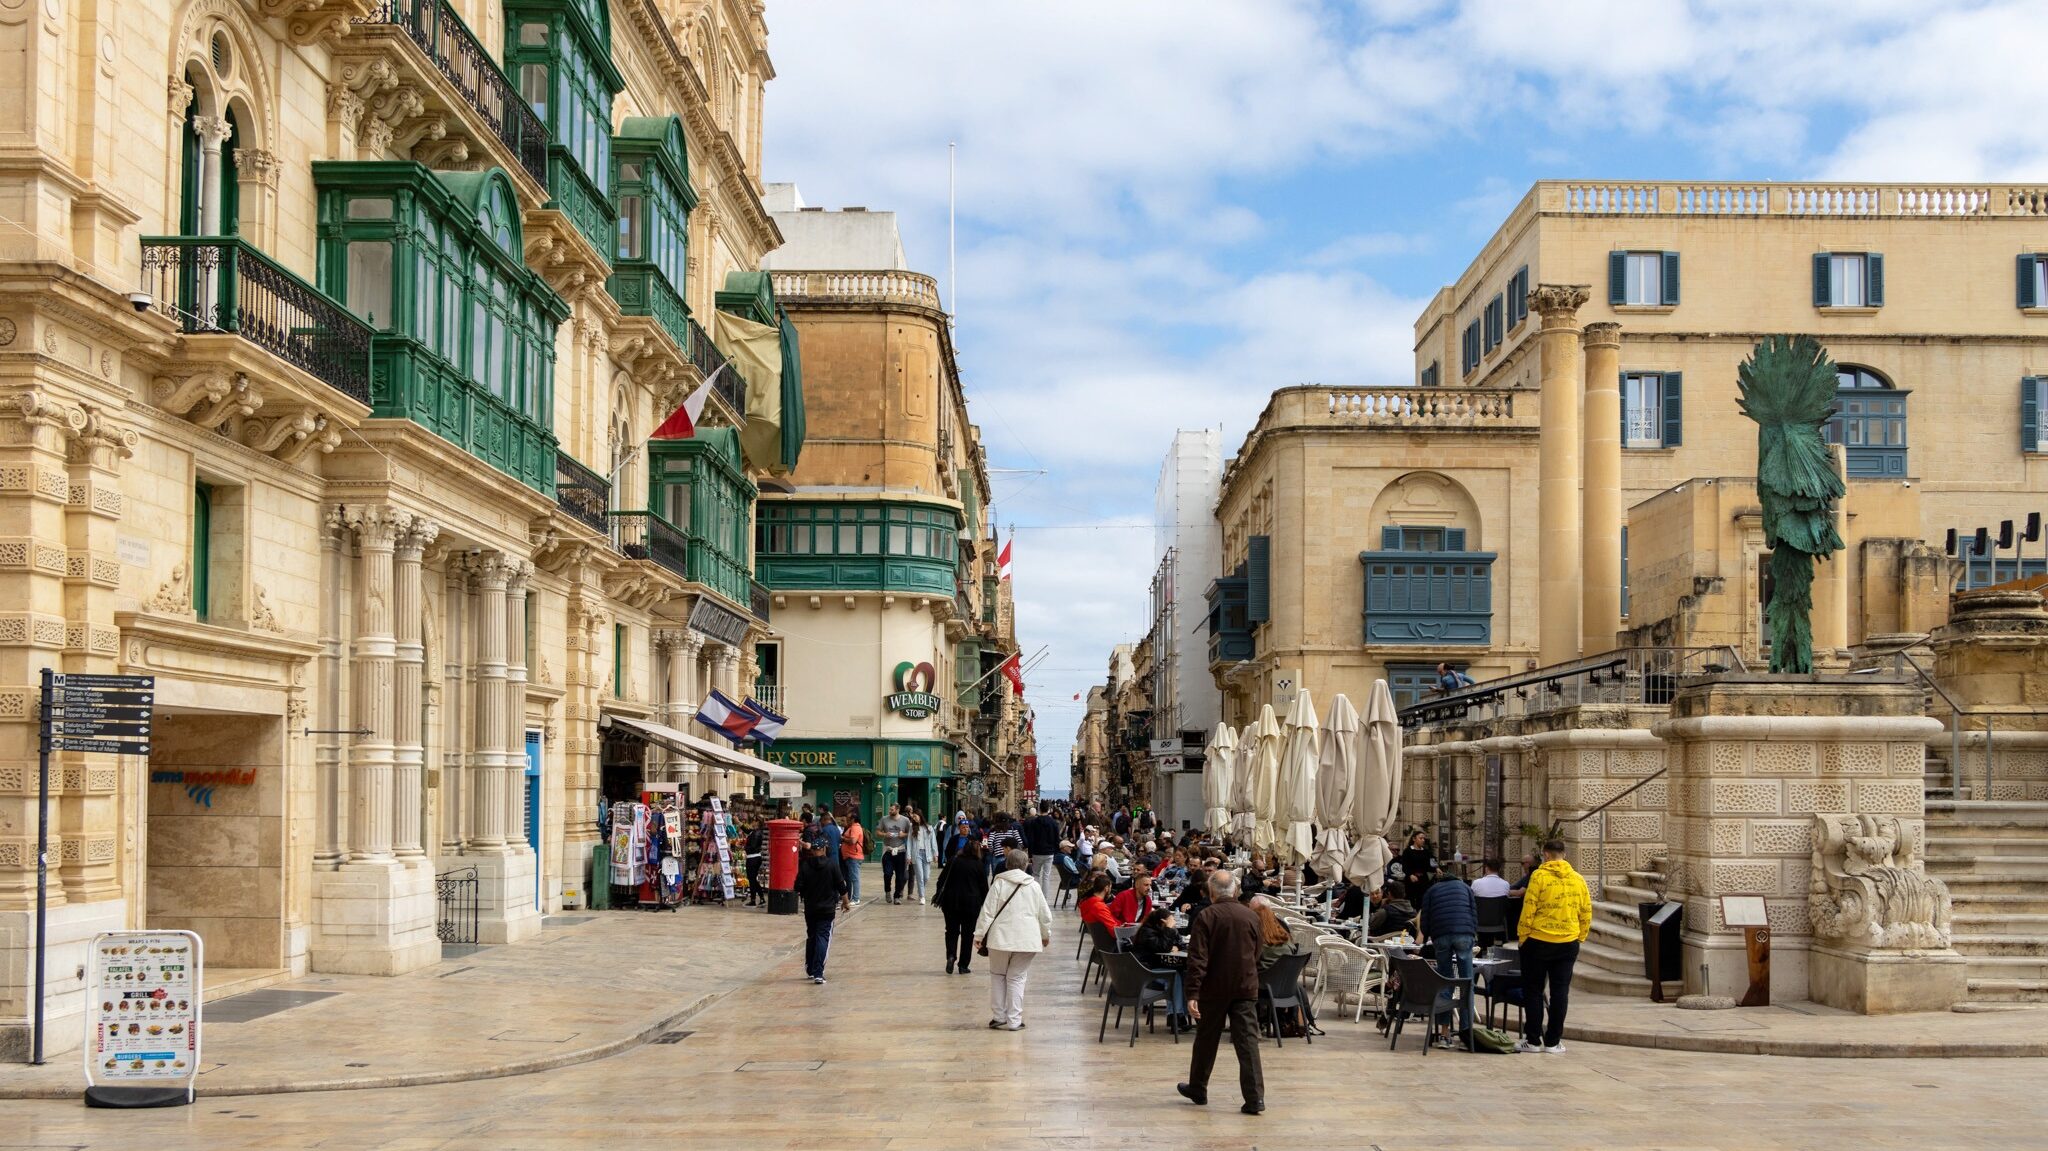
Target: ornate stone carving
174 596
260 616
1869 888
1558 304
179 98
257 165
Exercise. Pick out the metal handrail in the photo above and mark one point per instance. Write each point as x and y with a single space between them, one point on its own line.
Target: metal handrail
1600 876
1955 725
1627 665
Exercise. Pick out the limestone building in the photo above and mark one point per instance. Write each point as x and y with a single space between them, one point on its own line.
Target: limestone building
890 616
1549 483
334 335
1185 703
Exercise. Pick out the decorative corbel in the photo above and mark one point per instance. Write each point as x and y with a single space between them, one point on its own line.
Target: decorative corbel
267 436
181 396
241 400
325 441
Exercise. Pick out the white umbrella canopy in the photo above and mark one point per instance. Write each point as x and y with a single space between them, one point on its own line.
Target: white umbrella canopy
1218 766
1244 784
1336 782
1294 819
1266 779
1376 802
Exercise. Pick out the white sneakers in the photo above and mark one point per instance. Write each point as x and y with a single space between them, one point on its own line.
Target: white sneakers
1524 1047
1556 1050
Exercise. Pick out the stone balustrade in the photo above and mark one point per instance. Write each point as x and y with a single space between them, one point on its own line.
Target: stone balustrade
1654 198
884 286
1456 407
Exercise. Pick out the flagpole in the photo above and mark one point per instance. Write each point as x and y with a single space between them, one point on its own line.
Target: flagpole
952 263
1039 655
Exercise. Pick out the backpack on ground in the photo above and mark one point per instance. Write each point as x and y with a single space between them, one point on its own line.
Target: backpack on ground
1492 1040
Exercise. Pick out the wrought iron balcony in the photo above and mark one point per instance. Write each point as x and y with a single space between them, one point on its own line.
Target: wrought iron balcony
708 359
454 51
223 284
647 536
758 602
582 493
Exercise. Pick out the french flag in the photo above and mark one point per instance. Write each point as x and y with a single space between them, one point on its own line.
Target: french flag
767 725
734 721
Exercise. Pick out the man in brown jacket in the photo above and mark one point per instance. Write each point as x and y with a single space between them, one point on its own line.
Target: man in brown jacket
1223 984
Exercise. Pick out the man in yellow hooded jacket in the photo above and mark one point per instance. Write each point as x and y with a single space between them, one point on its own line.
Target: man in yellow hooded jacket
1557 913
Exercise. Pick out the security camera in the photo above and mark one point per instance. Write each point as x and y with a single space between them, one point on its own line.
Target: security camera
140 301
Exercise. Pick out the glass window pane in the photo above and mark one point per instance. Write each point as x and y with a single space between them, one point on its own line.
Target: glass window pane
533 87
899 539
369 208
871 539
847 544
533 35
1846 273
632 228
369 281
1645 279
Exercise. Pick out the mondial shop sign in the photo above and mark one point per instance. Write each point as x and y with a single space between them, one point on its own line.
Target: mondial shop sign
913 698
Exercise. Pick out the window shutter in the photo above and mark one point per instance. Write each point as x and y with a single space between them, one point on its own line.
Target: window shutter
1454 539
1258 578
1873 273
1617 278
2030 414
1390 539
1621 385
1674 416
2027 299
1670 278
1624 571
1820 280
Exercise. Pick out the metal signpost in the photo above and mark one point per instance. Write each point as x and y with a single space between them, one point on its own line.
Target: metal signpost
111 714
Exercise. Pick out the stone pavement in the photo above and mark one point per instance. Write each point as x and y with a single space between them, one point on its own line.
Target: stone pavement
892 1053
1807 1029
593 984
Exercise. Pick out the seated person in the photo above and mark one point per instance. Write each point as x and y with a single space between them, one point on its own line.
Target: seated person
1390 913
1255 878
1348 901
1133 903
1195 896
1156 940
1175 866
1275 941
1490 885
1093 904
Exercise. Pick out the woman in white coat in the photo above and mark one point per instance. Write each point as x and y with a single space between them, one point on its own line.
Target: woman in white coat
1015 925
924 849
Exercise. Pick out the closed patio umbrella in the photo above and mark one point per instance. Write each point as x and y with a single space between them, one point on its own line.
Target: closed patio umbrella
1294 819
1377 804
1266 779
1219 764
1336 780
1244 784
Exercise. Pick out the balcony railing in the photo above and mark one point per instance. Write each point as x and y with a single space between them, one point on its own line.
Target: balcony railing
770 696
1653 198
709 359
582 493
1646 676
222 284
439 32
876 287
1423 407
759 603
1428 598
647 536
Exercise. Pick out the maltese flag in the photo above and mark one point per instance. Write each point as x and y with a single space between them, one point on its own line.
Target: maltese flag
1003 566
682 423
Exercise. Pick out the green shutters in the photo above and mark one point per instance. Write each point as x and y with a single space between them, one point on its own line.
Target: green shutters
2029 282
1518 296
618 661
1430 374
1822 266
2030 413
1848 279
1671 279
1617 278
1259 578
202 548
1470 349
1873 271
1674 420
1496 321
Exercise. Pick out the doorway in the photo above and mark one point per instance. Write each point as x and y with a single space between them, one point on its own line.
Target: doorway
214 836
915 793
533 779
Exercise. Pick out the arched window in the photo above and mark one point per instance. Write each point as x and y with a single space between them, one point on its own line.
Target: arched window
1869 422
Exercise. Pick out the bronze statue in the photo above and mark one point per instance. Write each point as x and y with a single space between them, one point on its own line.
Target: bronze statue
1788 387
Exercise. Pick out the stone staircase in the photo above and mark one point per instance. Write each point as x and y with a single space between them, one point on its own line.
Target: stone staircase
1994 858
1611 958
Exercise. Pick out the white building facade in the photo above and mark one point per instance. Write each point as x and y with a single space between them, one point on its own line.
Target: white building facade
1187 549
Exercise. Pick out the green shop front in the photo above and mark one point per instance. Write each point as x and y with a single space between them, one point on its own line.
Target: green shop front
866 776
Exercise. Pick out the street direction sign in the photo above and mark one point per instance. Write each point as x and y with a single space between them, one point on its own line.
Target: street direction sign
107 746
104 682
78 727
91 695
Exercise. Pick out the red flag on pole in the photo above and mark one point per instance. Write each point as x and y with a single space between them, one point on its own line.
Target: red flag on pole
1003 561
1013 670
682 423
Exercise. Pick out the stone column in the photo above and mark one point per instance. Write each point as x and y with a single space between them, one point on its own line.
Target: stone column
371 659
583 743
1558 475
409 746
515 705
455 694
89 814
213 131
327 754
1602 514
487 799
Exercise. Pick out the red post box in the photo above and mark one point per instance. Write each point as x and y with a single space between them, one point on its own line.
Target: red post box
784 836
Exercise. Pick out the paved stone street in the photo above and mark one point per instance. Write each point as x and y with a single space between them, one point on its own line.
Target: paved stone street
893 1053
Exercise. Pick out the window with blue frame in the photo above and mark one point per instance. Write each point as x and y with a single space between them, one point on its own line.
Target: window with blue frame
559 55
1423 587
1870 423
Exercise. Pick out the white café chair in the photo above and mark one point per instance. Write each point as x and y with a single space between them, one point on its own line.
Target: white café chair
1351 972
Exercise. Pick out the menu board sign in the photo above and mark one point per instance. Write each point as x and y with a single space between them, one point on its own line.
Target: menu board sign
143 992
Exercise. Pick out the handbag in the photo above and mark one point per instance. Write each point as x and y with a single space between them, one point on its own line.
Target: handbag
981 948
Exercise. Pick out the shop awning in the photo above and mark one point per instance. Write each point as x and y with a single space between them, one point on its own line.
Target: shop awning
780 780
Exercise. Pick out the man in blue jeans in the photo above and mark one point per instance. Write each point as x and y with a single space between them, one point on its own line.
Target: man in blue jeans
1450 918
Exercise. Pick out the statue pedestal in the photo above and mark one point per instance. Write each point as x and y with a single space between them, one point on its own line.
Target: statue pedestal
1886 982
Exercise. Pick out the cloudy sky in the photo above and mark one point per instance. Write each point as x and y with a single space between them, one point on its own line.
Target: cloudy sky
1168 208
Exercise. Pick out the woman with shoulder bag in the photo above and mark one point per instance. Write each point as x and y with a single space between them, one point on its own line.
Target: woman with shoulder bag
1014 926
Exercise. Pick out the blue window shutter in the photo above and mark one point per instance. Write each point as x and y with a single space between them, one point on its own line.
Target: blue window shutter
1624 571
1873 277
1670 278
1621 385
1390 539
1454 539
1821 295
1674 415
1617 278
1259 578
2027 299
2030 414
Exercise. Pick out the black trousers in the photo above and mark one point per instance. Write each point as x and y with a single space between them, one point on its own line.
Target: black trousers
1546 967
959 939
895 873
1242 1015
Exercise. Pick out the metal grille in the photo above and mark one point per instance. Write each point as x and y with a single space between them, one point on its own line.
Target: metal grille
455 915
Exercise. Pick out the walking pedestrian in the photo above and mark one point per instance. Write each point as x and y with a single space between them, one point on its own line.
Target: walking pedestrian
924 848
821 886
853 851
1042 840
961 888
1222 982
1015 924
1557 913
1001 836
895 833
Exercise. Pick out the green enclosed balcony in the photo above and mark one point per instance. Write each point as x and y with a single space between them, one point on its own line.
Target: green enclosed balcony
559 54
847 546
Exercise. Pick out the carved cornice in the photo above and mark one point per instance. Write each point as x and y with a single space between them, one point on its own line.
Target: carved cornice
1558 304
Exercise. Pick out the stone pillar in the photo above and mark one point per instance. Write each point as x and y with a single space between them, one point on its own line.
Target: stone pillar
88 816
1558 475
728 681
1831 583
455 697
1602 514
1753 759
408 742
515 705
487 800
371 659
213 131
583 745
328 754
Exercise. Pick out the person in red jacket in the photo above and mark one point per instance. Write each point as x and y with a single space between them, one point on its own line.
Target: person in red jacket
1133 903
1093 907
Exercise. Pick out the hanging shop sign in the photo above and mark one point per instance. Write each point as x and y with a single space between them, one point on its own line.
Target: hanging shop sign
143 998
708 617
1163 748
913 698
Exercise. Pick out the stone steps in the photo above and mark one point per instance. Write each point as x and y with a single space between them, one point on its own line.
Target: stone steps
1994 857
2002 944
1989 989
1611 957
1608 970
2000 907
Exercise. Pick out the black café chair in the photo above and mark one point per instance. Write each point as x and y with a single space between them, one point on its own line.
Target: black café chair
1502 988
1138 987
1070 881
1280 986
1106 945
1420 986
1493 919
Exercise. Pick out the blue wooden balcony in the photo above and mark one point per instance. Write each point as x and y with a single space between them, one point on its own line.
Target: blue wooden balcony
1428 598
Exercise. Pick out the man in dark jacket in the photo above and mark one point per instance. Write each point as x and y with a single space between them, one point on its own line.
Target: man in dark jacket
1222 983
1450 918
1042 840
821 886
962 887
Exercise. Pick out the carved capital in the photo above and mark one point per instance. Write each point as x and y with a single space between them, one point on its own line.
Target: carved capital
378 525
1604 334
213 131
493 571
257 166
518 576
344 106
1558 304
101 441
179 98
412 542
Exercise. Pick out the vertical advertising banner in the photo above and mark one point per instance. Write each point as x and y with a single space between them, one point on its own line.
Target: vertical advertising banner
143 1009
